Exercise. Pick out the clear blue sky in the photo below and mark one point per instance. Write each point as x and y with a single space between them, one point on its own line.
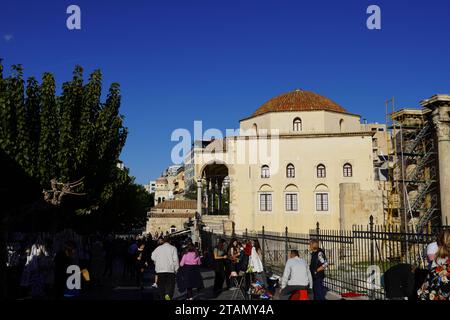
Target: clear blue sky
213 60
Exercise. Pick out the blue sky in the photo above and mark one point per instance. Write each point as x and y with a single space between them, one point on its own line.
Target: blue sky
212 60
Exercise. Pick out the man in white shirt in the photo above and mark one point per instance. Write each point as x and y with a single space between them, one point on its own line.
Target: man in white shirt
166 266
296 276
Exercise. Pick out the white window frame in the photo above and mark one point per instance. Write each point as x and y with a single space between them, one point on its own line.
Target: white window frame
297 125
290 167
266 175
295 207
344 171
322 168
266 204
321 210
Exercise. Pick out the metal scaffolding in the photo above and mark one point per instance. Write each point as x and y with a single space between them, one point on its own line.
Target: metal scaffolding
413 178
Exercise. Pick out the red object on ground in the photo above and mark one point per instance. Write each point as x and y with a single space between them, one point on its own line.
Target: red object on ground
352 295
299 295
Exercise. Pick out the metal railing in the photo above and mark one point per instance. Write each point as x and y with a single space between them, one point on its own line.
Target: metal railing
357 258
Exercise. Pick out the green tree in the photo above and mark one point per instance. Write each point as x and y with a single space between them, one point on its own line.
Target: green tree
128 206
49 134
17 99
32 105
66 137
8 116
89 111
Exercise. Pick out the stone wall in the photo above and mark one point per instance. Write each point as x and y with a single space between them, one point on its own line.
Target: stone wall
163 224
356 205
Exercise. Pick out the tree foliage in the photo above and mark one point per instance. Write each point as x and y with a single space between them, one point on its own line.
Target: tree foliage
69 136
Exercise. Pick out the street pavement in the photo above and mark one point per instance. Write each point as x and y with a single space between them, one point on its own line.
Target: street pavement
120 288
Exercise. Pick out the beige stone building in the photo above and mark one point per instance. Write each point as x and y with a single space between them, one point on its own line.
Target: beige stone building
170 216
163 190
299 159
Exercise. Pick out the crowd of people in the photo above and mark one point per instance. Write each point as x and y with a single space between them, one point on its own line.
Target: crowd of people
37 266
244 259
237 259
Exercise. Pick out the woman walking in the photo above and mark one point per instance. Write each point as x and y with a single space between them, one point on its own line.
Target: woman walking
190 271
437 285
220 258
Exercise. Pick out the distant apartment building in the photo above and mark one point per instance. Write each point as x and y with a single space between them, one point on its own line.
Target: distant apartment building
172 170
150 187
171 185
189 163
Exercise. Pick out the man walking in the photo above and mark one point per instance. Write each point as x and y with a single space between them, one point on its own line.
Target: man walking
317 267
166 265
296 276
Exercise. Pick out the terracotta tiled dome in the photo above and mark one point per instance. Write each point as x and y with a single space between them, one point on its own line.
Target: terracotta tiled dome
299 100
162 180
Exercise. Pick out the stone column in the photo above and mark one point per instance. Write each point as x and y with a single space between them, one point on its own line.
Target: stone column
213 195
219 202
206 196
199 197
196 234
443 135
440 106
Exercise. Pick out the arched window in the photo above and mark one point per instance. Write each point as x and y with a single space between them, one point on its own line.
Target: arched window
321 171
265 171
173 229
321 194
297 124
291 198
265 198
290 171
255 129
341 125
348 170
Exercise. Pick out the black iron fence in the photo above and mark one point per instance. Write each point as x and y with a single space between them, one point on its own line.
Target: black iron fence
357 258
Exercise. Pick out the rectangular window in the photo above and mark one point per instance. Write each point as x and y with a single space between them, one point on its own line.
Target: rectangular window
265 202
321 201
291 202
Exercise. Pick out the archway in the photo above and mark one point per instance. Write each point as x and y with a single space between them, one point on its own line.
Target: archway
216 189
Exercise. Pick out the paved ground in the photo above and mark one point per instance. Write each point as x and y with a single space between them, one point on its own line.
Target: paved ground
118 288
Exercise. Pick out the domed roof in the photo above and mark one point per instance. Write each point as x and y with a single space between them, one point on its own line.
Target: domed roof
162 180
298 100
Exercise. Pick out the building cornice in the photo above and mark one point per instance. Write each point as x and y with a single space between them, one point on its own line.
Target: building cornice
298 112
310 135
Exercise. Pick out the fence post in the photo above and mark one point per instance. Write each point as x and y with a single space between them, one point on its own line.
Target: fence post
246 233
263 247
372 258
286 244
317 230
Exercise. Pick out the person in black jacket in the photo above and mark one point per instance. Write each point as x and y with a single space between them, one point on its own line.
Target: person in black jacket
141 262
63 260
317 267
